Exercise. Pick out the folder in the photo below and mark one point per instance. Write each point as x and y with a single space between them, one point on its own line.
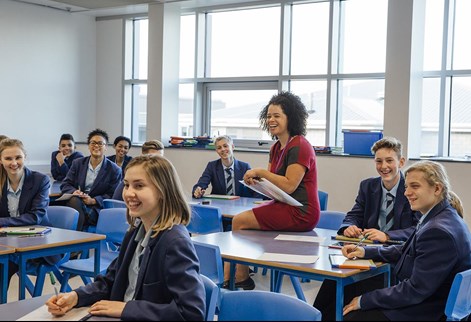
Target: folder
25 230
340 261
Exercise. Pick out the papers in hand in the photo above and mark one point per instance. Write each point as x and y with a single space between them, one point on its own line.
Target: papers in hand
340 261
269 190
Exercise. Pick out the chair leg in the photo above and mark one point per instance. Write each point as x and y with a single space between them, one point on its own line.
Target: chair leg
297 287
39 285
29 286
264 271
65 287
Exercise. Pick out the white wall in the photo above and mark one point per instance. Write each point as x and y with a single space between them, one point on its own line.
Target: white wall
47 83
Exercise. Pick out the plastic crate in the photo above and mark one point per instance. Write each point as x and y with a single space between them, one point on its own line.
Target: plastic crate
360 142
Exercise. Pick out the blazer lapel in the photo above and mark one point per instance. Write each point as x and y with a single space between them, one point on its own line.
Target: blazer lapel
25 191
399 203
220 176
377 191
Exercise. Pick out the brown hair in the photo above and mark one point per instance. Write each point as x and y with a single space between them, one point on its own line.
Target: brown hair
152 144
434 173
388 142
174 209
4 144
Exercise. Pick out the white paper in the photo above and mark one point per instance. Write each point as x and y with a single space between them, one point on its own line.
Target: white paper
65 196
269 190
42 314
289 258
309 239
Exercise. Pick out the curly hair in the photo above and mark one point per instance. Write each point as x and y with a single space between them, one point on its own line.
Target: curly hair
294 109
98 132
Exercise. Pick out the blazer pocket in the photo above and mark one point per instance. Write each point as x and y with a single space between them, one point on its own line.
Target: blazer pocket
154 292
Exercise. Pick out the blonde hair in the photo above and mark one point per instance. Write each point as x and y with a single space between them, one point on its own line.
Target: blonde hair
435 173
174 209
4 144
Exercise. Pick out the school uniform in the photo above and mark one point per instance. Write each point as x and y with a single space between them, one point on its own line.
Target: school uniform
214 175
365 212
59 172
168 284
127 159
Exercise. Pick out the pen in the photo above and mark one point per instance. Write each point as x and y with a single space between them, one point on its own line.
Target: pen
361 241
53 282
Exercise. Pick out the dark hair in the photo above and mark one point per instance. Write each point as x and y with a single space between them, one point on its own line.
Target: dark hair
66 137
122 138
99 132
294 109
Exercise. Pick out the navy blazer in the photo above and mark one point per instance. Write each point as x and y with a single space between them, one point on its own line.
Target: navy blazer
60 172
425 267
365 212
127 159
168 288
214 175
104 184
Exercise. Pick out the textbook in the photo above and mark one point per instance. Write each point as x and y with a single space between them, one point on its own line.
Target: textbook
340 261
25 230
226 197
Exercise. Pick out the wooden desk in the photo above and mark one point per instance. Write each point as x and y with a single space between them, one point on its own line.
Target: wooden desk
230 208
246 246
4 255
58 241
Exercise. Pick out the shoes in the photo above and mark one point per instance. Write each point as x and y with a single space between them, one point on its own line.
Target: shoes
251 272
247 284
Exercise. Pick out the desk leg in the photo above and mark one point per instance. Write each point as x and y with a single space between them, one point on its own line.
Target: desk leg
232 269
339 301
4 281
22 277
97 261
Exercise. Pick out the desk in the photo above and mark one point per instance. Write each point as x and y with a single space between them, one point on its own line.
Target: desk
55 190
58 241
4 255
230 208
246 246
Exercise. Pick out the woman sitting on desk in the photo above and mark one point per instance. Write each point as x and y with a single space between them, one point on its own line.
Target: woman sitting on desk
91 179
426 264
24 194
61 160
291 167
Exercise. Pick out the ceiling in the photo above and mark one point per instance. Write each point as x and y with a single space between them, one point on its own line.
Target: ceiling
99 8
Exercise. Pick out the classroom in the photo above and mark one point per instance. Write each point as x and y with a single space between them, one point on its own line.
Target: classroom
68 68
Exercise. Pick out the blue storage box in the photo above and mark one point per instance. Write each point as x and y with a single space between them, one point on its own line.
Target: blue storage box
360 142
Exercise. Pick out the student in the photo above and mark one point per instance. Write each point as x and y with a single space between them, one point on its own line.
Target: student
61 160
149 147
91 179
370 214
218 172
291 167
156 275
426 264
24 194
121 146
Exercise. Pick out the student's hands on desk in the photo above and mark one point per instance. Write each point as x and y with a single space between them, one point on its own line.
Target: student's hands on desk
373 234
199 192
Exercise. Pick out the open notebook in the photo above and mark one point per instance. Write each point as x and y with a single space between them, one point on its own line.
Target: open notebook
25 230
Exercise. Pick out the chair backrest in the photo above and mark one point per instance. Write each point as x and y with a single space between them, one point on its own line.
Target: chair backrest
63 217
112 223
323 199
330 219
212 297
265 306
210 262
205 219
113 203
458 305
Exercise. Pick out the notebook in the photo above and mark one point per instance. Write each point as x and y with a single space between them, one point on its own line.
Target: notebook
226 197
25 230
340 261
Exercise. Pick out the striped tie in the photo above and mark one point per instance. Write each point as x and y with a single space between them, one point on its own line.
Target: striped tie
229 186
388 222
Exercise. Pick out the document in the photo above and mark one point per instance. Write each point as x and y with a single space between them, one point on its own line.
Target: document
340 261
42 314
309 239
269 190
289 258
65 196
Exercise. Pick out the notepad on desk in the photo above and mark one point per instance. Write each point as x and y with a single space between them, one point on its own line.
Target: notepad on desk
226 197
340 261
25 230
351 239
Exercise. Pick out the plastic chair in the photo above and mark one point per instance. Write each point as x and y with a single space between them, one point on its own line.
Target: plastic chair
205 220
210 262
212 297
331 219
60 217
112 203
112 223
265 306
458 305
323 199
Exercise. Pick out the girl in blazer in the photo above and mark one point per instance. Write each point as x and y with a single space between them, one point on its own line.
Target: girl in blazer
427 263
156 275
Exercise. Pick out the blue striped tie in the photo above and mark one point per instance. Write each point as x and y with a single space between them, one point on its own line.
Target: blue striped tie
388 222
229 186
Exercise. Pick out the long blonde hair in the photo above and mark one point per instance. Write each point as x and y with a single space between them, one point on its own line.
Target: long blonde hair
434 173
174 209
4 144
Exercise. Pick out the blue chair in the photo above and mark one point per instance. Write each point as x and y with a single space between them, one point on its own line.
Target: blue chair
458 305
205 220
323 198
265 306
331 219
112 203
212 297
60 217
112 223
210 262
